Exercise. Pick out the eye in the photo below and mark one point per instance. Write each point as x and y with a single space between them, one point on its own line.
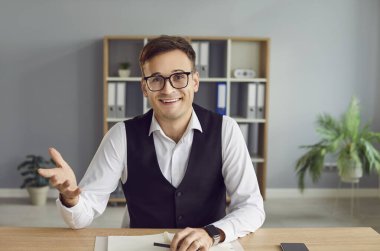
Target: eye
179 76
155 79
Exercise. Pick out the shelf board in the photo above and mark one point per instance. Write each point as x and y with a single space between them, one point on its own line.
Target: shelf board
213 79
117 119
134 79
257 159
248 120
261 80
117 200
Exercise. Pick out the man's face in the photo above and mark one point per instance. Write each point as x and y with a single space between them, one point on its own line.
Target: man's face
170 103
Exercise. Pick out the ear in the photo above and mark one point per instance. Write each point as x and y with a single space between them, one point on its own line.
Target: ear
144 88
196 81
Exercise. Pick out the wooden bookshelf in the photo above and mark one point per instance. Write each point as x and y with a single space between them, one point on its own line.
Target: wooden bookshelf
225 55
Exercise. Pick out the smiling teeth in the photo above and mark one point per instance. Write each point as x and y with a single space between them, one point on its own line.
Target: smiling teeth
170 100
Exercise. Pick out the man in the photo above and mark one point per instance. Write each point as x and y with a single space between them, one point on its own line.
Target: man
176 162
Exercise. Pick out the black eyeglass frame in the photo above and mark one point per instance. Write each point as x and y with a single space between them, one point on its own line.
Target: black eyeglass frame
170 81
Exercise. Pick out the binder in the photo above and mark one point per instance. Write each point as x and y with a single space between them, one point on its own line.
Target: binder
120 100
221 98
204 59
260 100
111 100
244 130
249 95
253 141
195 46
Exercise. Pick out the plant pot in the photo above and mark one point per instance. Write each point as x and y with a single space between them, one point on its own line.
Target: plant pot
124 73
38 195
352 173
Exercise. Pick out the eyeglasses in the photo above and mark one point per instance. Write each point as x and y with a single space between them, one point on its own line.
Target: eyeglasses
177 80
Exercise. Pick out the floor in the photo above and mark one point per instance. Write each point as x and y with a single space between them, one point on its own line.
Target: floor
315 212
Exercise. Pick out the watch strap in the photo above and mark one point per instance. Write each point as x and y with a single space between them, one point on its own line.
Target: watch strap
214 233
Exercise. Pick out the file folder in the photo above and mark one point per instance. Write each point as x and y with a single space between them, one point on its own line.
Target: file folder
249 94
195 46
260 101
111 100
120 100
221 98
253 141
244 130
204 59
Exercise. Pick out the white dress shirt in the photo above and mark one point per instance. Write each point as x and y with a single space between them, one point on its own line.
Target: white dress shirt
245 213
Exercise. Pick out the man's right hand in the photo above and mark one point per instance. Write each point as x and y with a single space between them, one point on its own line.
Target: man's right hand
63 179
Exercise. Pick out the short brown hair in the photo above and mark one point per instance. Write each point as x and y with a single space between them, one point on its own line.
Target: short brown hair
165 43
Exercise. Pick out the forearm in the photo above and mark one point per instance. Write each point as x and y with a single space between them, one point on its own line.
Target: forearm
246 207
100 179
241 222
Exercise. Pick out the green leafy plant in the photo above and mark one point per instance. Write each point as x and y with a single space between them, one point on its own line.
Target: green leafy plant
349 142
124 65
29 168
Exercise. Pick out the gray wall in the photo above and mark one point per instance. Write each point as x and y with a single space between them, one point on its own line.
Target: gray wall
322 53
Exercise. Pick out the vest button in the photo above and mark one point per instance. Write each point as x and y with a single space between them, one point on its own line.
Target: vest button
180 217
179 194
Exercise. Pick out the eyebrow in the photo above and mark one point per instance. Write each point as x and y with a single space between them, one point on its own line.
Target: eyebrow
173 71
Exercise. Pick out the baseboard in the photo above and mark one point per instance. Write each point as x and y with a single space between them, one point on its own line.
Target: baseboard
22 193
270 193
321 193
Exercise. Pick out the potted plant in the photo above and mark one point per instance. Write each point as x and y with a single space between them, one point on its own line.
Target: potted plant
124 70
36 185
347 141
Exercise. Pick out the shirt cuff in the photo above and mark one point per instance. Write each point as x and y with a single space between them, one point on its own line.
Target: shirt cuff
68 213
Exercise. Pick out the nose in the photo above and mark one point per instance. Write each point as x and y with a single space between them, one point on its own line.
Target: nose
168 88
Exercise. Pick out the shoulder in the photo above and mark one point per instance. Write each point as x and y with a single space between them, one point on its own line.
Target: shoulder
229 124
116 131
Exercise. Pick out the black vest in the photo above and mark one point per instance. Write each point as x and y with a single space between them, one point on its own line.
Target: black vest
152 201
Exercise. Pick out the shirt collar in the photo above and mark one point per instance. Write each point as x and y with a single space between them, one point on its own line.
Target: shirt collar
193 124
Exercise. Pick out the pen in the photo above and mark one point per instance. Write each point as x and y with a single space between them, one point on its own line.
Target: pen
161 245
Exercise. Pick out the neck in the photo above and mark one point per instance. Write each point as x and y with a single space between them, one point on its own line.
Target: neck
175 128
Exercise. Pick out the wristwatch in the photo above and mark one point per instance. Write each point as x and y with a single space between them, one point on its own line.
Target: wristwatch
214 233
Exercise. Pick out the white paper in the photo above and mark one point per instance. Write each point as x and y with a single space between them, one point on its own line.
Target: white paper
135 243
101 243
145 242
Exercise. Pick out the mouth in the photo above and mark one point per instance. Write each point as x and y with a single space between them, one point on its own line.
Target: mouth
168 101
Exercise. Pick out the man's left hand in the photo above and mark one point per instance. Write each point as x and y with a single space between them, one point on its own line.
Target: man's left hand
191 239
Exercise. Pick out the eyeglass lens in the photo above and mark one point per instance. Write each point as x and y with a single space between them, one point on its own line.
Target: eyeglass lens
177 80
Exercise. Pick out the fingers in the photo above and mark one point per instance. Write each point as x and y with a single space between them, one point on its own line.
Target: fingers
178 238
57 157
190 242
64 187
47 173
191 239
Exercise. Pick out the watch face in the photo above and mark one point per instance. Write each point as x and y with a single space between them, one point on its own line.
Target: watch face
212 231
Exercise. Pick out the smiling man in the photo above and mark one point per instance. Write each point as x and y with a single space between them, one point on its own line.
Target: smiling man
176 162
